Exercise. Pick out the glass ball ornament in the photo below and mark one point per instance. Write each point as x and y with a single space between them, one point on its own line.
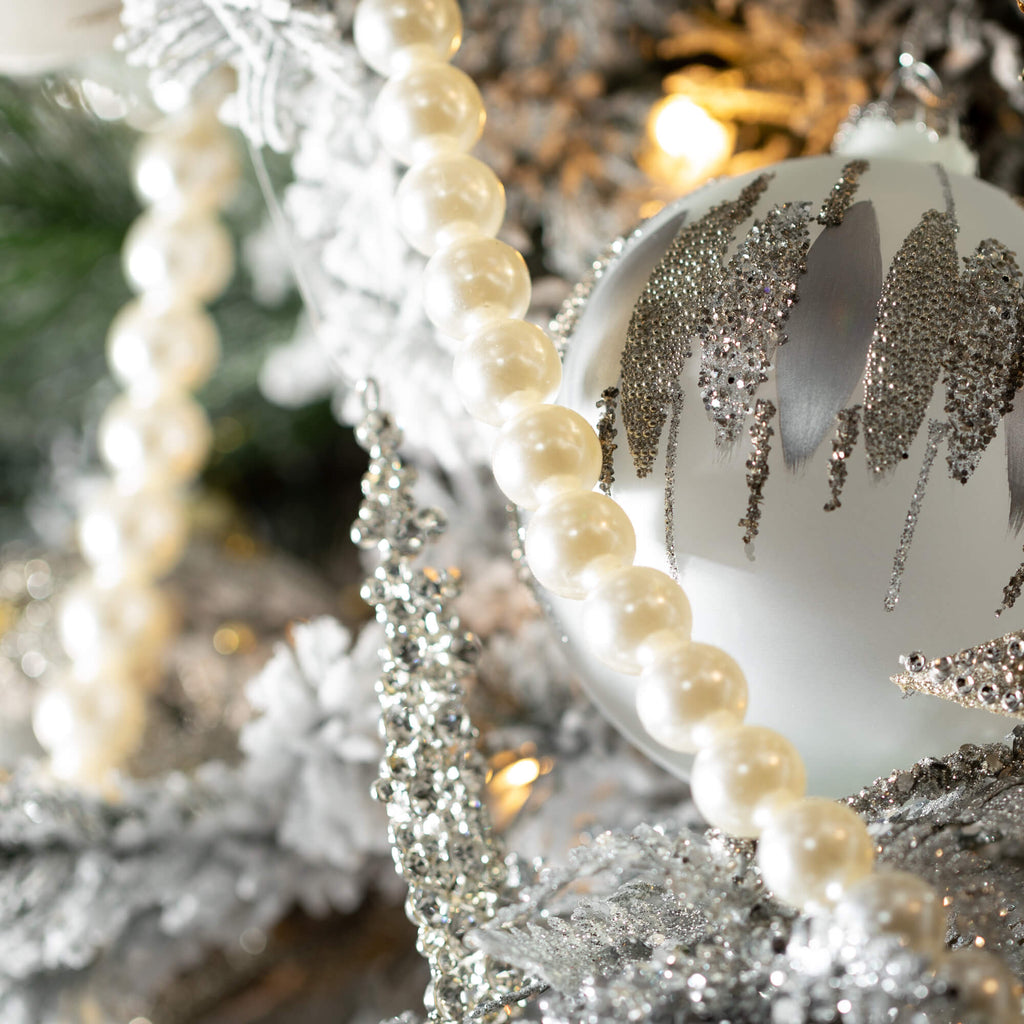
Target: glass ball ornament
777 303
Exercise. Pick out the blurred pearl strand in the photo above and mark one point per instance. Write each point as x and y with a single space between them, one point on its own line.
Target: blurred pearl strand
748 780
114 622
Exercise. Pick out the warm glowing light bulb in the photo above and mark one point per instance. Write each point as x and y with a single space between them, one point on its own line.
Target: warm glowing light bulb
696 144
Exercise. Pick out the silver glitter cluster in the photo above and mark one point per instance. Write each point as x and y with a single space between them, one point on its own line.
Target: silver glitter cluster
937 432
958 821
838 202
989 676
671 312
983 361
761 433
606 434
432 774
671 925
747 313
916 317
847 427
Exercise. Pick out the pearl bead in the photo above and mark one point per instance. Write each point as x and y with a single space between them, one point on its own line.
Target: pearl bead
178 258
392 34
812 850
153 349
689 694
443 199
629 612
190 165
93 621
428 110
87 732
894 904
132 536
544 450
741 774
983 986
508 363
156 443
473 282
569 533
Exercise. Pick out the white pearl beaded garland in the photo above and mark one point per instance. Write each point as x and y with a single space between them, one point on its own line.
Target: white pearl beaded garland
114 624
690 693
575 539
810 851
392 36
473 282
446 198
748 780
894 904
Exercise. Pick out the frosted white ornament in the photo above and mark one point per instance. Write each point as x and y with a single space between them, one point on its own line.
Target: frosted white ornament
154 348
897 905
543 451
160 442
36 38
139 535
811 850
178 257
806 619
576 538
393 35
690 693
188 165
507 364
473 282
628 613
742 775
428 110
447 197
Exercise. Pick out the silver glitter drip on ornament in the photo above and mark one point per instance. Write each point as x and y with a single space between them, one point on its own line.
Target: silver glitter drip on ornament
1012 590
835 206
671 453
606 436
761 432
937 431
747 314
845 440
671 312
916 318
432 775
982 363
989 676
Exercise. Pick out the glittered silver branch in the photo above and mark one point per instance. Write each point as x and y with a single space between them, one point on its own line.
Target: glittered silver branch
432 774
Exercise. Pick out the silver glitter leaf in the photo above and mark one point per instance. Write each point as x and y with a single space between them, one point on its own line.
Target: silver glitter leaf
983 361
916 318
989 676
829 331
671 312
747 314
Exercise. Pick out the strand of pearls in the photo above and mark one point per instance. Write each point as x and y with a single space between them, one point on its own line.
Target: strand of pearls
114 622
813 853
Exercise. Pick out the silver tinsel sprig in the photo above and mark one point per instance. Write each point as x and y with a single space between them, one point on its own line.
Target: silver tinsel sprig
432 775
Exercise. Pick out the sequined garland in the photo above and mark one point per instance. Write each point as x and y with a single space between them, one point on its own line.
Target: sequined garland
432 775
